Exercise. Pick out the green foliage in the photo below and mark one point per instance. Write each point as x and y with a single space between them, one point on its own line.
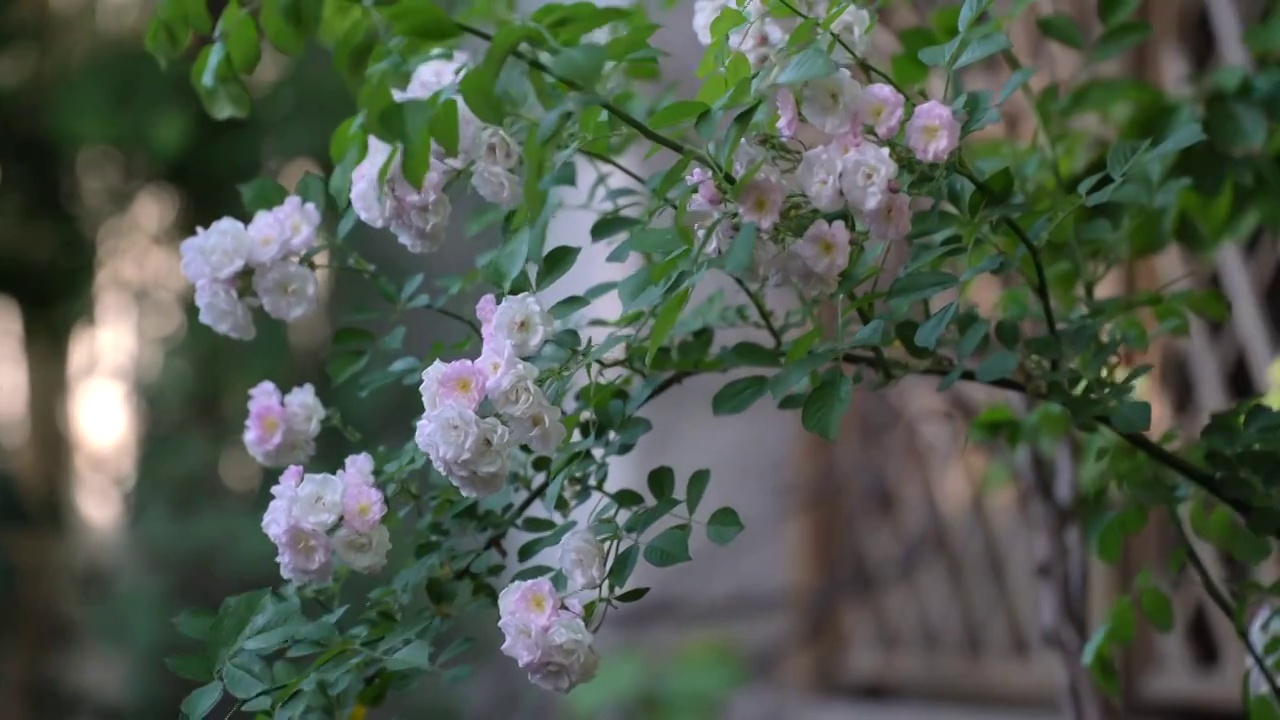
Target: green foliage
1046 222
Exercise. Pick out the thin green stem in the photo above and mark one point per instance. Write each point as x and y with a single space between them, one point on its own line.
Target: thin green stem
1223 602
765 316
1042 279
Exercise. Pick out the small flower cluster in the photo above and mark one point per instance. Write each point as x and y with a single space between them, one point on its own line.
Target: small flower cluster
467 445
763 36
853 170
545 636
227 260
281 429
419 216
306 507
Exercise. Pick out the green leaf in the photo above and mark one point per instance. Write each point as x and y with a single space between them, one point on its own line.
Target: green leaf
1119 39
749 354
287 23
421 21
261 193
998 365
622 566
240 34
1122 621
676 113
633 595
443 125
723 526
738 395
1062 28
342 366
969 14
414 656
533 571
981 48
556 263
1157 607
921 285
201 700
194 624
669 547
869 335
1015 81
666 320
580 63
240 683
698 482
1131 416
610 225
197 668
741 250
1112 12
223 95
478 86
826 405
809 64
1237 127
529 549
627 497
662 482
929 332
568 306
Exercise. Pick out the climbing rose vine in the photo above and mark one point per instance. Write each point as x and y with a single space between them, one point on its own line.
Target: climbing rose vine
855 221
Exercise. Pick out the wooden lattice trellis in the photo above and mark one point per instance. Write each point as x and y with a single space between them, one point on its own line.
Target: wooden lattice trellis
923 581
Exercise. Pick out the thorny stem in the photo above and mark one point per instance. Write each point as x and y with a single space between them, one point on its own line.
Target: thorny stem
625 117
1223 602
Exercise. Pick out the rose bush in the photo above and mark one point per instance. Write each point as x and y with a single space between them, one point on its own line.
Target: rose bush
800 164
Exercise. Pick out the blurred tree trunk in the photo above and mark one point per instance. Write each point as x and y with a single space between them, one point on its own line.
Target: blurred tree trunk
36 622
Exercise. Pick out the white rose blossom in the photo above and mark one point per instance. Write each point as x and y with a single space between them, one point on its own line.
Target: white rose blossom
521 321
581 559
225 312
217 252
831 102
865 174
363 552
317 503
288 290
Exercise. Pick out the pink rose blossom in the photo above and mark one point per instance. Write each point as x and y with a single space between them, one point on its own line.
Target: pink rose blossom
357 470
529 601
788 114
363 507
305 556
881 107
485 309
279 515
933 133
459 383
761 201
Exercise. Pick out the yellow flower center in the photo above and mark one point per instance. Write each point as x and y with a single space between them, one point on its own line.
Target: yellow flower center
539 603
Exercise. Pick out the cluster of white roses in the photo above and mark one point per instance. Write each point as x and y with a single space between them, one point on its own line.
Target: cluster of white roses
306 507
281 429
469 447
547 635
845 170
419 216
227 260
